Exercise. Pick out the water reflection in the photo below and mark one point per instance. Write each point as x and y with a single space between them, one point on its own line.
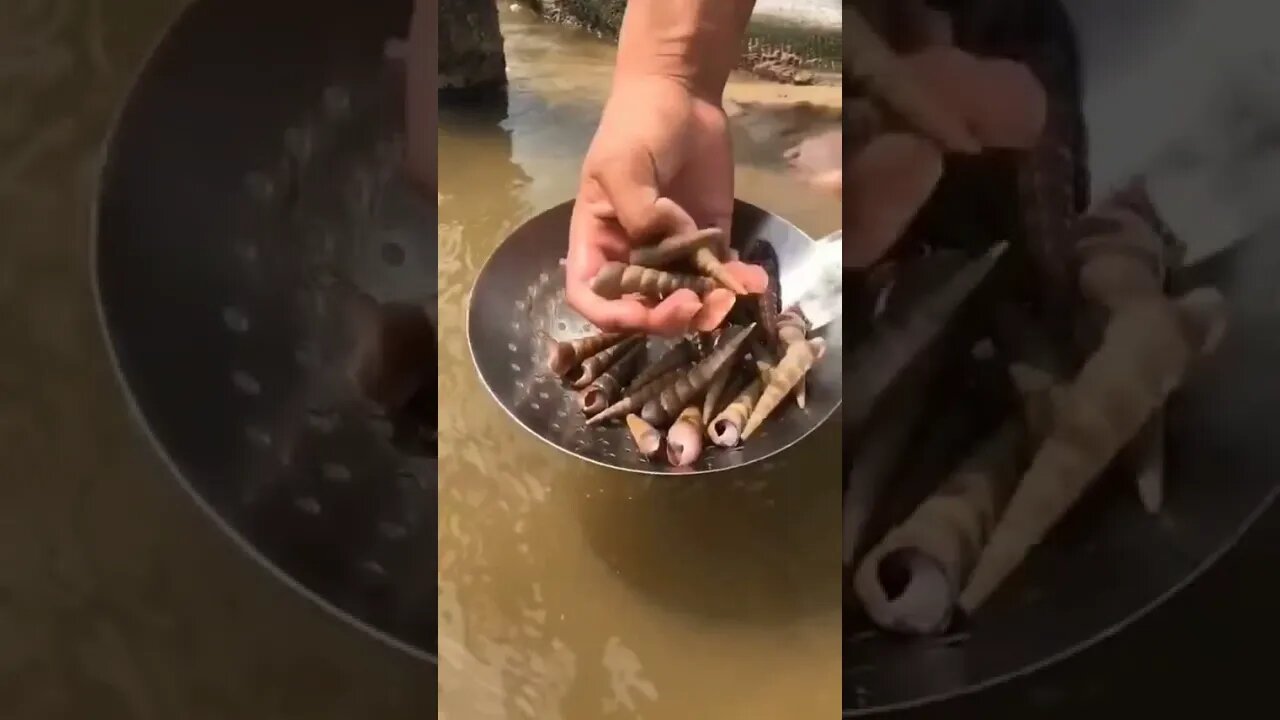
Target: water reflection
569 591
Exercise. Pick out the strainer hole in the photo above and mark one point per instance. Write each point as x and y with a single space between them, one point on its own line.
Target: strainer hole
247 251
335 472
391 530
258 436
235 319
305 357
246 383
260 187
393 254
308 505
298 142
337 102
383 427
322 421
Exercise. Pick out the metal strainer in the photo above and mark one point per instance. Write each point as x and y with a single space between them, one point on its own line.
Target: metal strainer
262 266
519 297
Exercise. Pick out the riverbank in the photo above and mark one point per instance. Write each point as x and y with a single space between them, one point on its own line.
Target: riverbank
791 41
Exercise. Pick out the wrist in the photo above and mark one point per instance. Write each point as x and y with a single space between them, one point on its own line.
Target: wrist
695 43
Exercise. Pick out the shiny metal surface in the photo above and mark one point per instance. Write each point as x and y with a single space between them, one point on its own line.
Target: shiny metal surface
519 294
815 282
251 219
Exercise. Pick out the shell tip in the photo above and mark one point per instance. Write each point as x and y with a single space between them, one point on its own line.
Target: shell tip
652 413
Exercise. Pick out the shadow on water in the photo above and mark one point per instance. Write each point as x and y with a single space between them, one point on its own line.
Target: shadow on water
721 546
480 118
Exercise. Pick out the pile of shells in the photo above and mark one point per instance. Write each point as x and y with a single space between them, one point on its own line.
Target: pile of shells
721 384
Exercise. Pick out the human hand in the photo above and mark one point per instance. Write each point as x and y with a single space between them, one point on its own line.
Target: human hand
660 164
893 171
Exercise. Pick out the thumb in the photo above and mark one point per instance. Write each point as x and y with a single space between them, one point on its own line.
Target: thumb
629 181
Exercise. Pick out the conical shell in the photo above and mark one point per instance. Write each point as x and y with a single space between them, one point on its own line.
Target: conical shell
678 395
680 354
563 355
606 389
948 530
684 439
725 429
676 247
637 398
595 366
708 264
710 403
646 437
616 279
792 367
1146 353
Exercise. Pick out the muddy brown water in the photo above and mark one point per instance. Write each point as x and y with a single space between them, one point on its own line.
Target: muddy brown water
572 592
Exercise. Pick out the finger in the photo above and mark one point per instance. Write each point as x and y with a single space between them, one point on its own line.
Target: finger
675 220
863 120
594 238
674 315
890 181
1008 105
753 277
946 73
932 27
725 223
867 57
608 315
600 209
589 242
1000 100
716 306
918 25
831 182
629 182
